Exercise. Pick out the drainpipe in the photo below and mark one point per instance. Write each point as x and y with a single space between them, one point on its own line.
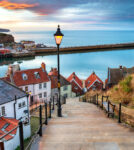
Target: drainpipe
15 107
28 105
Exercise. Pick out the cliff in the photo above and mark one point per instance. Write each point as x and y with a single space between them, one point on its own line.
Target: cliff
6 38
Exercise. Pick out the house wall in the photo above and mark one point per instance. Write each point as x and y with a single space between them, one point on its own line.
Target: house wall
9 110
68 91
13 143
54 92
73 94
35 91
47 90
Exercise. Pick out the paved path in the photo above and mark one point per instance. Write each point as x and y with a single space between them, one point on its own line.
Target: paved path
84 127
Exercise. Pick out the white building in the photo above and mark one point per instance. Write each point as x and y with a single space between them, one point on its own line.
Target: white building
36 82
14 107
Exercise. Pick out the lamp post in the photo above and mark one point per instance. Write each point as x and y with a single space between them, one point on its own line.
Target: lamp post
58 38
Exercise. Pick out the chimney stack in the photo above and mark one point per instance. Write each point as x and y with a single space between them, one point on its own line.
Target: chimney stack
43 66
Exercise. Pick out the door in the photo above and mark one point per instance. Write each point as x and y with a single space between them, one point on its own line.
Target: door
1 146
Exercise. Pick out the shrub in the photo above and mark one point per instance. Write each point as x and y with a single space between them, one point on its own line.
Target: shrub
125 84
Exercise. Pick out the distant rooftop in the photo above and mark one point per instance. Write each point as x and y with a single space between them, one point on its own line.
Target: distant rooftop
8 92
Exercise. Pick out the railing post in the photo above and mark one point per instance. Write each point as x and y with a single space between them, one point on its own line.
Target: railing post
53 103
97 99
119 118
21 135
102 102
108 108
50 109
46 122
40 117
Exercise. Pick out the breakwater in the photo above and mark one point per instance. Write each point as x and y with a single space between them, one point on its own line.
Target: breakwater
65 50
94 48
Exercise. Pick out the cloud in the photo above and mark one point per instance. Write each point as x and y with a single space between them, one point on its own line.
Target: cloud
13 6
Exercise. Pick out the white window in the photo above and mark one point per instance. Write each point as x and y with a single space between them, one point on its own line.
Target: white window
3 112
40 86
45 94
65 88
24 76
37 75
23 104
40 95
19 105
45 85
76 88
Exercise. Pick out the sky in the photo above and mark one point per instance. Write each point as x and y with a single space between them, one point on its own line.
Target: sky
43 15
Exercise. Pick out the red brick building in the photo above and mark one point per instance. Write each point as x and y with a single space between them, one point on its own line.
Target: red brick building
93 82
77 86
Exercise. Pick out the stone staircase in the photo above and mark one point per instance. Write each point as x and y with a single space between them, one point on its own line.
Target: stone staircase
84 127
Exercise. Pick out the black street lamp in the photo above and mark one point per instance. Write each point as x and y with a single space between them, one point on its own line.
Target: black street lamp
58 38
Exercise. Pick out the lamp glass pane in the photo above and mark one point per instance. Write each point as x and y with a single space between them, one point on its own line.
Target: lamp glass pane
58 39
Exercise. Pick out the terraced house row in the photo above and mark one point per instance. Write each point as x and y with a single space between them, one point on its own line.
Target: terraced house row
21 89
42 86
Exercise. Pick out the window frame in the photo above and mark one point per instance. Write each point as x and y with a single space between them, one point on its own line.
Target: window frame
40 95
45 85
3 114
45 95
40 85
65 88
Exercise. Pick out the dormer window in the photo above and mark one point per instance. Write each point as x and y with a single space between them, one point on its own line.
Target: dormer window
36 74
24 76
76 88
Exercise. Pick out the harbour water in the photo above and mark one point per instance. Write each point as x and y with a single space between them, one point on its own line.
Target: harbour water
82 63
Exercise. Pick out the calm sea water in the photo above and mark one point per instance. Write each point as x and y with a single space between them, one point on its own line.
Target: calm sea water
82 63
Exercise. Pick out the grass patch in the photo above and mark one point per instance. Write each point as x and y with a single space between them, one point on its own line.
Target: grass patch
34 122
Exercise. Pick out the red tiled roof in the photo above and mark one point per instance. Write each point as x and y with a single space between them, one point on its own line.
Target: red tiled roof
6 78
12 123
75 77
18 80
91 79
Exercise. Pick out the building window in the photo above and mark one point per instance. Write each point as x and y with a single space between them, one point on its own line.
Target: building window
23 104
40 86
45 94
36 74
19 105
76 88
3 111
26 88
24 76
65 88
40 95
45 85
